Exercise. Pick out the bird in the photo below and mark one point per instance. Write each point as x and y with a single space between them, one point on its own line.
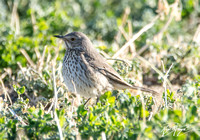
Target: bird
86 72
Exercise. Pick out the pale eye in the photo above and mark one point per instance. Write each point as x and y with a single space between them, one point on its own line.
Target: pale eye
72 39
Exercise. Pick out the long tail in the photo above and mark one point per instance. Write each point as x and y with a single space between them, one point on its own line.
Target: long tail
154 93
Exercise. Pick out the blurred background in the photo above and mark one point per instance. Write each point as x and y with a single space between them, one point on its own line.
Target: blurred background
30 25
164 34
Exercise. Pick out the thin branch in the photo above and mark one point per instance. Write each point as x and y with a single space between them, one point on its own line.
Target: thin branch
158 36
144 29
127 37
143 113
124 61
103 135
157 70
150 116
52 104
55 103
175 13
37 52
142 49
164 82
130 29
33 19
16 116
40 75
196 37
28 58
124 19
20 66
5 92
41 60
15 21
3 75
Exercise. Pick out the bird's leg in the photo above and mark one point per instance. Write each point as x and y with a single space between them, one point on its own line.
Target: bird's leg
87 101
97 100
98 96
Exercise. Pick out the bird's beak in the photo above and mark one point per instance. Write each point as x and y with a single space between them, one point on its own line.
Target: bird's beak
59 36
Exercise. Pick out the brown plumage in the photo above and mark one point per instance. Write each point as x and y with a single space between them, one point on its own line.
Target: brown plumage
86 72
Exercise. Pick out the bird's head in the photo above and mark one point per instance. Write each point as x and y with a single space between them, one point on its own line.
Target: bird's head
75 40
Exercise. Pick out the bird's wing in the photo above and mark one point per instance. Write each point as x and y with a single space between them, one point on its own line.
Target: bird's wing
99 63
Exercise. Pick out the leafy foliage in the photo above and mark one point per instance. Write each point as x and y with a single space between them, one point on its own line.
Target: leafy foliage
28 51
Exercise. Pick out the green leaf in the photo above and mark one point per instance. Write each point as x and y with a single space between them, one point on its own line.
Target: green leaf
21 90
90 116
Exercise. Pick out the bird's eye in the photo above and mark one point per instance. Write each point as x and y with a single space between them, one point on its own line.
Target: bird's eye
72 39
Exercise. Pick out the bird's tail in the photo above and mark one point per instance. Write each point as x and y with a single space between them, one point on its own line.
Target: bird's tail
153 92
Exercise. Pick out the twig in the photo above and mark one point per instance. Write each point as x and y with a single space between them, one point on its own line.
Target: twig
196 37
15 22
143 113
60 77
8 71
28 58
124 18
103 135
74 86
173 14
142 49
150 116
130 30
52 104
40 75
16 116
164 82
33 19
104 54
124 61
56 54
144 29
41 60
55 103
163 66
5 92
123 32
20 66
31 99
48 58
158 36
127 37
37 53
73 98
157 70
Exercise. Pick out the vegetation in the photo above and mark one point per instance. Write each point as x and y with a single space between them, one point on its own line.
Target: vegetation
150 43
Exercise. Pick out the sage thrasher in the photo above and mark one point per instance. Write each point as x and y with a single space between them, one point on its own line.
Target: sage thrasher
86 72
